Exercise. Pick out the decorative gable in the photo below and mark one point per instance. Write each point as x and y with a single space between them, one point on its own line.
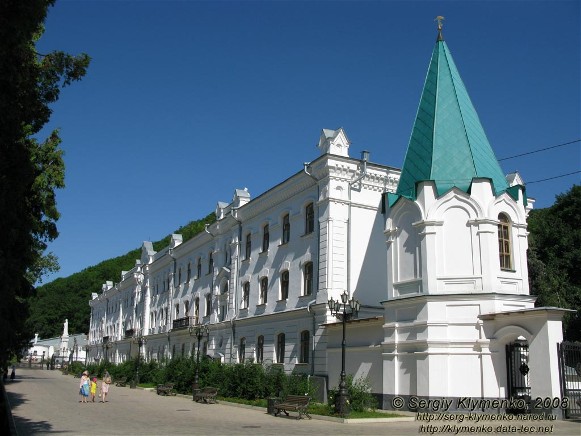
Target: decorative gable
334 142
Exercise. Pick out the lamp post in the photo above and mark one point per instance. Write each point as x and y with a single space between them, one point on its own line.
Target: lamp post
140 341
343 310
200 331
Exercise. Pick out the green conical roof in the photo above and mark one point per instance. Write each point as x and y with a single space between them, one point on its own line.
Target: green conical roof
448 144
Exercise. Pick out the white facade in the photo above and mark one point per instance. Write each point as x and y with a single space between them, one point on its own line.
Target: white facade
262 294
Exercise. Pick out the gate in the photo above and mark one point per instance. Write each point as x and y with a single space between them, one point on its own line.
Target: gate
570 373
517 366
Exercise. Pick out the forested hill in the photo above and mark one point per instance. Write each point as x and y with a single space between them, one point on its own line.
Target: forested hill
68 298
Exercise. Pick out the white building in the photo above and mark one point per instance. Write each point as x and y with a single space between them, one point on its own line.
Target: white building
61 349
435 254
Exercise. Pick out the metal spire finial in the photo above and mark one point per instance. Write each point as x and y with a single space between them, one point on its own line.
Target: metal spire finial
439 19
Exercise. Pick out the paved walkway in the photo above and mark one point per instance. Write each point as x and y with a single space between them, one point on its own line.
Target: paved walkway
46 402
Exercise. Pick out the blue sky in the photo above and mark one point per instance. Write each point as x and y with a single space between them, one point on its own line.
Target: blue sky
185 101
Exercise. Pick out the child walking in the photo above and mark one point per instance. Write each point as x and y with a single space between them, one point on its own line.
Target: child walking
93 389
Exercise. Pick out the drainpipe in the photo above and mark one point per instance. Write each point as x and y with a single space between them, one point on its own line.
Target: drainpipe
364 160
314 331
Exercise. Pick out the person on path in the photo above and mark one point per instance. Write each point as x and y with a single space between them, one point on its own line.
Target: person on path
13 373
105 386
84 387
93 389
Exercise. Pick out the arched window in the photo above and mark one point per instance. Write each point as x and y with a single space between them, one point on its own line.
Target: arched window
504 245
305 346
309 218
260 349
263 290
242 350
308 278
280 345
199 268
189 271
186 308
284 284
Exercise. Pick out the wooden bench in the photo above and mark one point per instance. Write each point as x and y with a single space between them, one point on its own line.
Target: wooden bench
121 381
295 403
208 394
165 389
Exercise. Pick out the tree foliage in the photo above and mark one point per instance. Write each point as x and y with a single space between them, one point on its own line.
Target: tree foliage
68 298
30 169
555 256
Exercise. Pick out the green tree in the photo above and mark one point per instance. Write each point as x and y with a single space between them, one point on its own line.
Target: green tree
30 169
555 255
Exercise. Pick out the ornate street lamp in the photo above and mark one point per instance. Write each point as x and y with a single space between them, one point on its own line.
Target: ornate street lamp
200 331
343 310
140 341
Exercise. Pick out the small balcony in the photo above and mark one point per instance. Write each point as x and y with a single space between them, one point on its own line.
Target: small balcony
129 333
184 323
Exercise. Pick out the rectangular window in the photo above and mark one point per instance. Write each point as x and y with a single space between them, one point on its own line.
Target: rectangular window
280 346
246 295
248 246
242 350
210 262
208 304
263 290
286 229
305 346
199 268
309 218
260 349
284 284
265 238
504 242
189 271
308 279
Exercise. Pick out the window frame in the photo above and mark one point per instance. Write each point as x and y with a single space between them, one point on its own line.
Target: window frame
260 349
305 346
286 228
242 350
280 347
208 311
309 218
504 243
284 285
265 238
263 290
248 246
308 278
245 295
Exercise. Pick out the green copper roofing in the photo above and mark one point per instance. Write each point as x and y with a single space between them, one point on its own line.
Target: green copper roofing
448 144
